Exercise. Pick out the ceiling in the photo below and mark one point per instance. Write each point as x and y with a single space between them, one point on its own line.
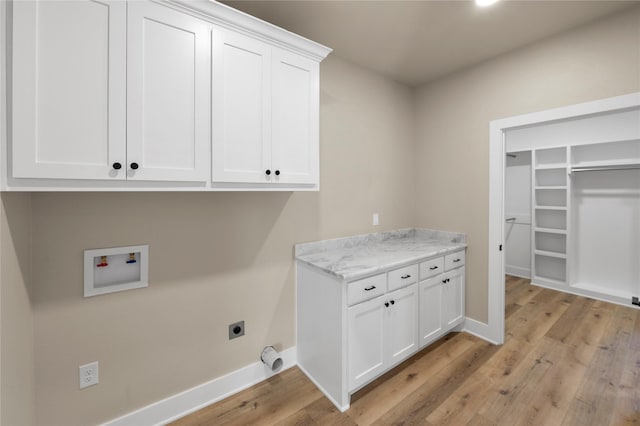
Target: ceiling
415 42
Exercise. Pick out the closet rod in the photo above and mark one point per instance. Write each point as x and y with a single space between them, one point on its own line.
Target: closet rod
599 168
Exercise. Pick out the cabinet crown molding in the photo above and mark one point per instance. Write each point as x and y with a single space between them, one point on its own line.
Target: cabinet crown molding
236 20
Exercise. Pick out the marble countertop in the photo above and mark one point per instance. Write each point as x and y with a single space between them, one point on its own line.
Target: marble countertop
356 257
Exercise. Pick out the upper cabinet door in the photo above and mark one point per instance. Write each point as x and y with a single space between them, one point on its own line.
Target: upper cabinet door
168 72
69 89
241 92
295 118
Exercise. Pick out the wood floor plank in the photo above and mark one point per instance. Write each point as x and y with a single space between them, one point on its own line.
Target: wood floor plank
589 330
323 412
420 404
461 407
566 360
555 392
373 402
512 396
627 408
480 420
539 315
523 292
596 397
266 403
505 360
299 418
571 318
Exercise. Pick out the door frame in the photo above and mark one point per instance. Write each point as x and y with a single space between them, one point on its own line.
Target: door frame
497 163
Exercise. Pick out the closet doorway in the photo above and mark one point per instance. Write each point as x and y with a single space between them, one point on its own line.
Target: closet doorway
517 211
581 220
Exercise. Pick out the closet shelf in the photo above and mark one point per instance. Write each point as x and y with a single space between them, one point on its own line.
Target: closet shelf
559 208
551 231
551 254
551 166
551 187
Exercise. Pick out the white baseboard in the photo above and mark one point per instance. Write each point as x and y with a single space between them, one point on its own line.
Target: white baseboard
517 271
183 403
478 329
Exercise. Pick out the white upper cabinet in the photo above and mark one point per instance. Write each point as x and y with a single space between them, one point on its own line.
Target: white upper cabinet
69 89
265 113
168 68
295 118
241 96
179 95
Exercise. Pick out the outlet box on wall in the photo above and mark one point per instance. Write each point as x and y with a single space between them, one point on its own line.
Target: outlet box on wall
89 374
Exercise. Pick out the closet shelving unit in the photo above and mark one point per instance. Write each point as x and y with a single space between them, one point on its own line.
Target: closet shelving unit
550 201
585 233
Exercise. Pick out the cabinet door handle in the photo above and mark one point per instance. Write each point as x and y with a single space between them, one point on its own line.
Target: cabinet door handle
456 260
404 277
393 302
386 304
267 172
444 281
277 172
433 268
117 166
370 288
134 166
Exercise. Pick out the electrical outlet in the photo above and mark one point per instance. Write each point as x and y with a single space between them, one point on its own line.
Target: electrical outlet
376 219
236 329
88 374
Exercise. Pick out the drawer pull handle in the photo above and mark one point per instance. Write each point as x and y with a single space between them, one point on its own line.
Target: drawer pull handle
404 277
456 260
370 288
433 268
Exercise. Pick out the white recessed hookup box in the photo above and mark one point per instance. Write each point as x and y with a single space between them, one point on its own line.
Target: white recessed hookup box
109 270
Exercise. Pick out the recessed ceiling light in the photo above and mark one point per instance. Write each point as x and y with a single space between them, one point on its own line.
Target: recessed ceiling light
485 2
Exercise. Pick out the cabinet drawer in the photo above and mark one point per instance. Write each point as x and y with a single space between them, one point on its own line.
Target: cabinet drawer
431 267
402 277
454 260
365 289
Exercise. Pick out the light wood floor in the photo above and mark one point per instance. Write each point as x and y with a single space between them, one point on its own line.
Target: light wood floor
567 360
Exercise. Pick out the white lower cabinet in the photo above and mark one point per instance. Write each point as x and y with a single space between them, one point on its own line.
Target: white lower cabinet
366 341
381 333
441 304
431 291
401 324
351 332
453 298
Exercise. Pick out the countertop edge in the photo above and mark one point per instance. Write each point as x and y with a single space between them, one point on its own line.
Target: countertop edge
385 267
